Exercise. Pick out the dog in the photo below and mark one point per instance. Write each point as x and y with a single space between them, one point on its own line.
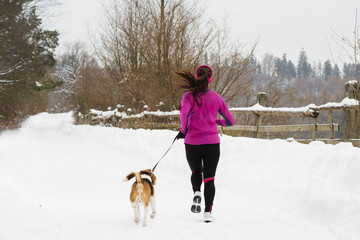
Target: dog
142 193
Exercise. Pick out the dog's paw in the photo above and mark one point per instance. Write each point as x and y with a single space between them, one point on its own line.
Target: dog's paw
136 221
152 215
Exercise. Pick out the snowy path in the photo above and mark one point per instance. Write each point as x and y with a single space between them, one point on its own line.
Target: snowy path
60 181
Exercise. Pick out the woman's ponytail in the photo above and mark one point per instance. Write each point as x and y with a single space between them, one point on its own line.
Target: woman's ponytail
196 84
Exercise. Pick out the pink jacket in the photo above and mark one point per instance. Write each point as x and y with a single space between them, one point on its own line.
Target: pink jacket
199 122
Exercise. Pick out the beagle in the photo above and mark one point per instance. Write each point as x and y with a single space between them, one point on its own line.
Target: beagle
142 193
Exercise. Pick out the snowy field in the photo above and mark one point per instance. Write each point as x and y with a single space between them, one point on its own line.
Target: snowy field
62 181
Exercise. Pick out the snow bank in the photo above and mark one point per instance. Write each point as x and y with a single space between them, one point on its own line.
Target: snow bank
61 181
46 121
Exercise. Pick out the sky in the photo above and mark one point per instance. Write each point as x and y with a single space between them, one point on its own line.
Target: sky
279 26
284 26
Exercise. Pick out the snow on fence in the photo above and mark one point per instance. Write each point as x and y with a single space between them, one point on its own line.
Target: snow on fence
170 120
311 110
147 119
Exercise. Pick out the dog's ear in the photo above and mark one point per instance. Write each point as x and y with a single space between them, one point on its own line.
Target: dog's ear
130 176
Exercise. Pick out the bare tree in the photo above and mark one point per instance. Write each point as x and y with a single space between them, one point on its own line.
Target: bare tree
70 64
143 41
352 49
68 70
84 84
233 69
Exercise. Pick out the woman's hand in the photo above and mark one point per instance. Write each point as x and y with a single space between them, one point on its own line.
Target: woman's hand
180 135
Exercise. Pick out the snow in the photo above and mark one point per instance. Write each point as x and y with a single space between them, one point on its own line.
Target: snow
351 82
350 102
155 113
258 107
108 114
62 181
346 102
123 115
37 84
161 104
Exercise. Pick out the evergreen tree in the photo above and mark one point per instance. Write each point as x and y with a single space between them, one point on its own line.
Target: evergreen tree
319 70
336 71
349 70
278 67
254 64
303 68
282 67
328 70
346 70
285 68
283 64
26 53
291 69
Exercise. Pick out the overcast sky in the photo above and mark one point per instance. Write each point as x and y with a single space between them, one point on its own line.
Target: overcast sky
281 26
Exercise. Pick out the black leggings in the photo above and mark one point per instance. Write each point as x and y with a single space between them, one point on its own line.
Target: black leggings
203 160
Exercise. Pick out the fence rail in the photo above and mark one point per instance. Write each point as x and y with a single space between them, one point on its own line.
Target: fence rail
287 128
170 120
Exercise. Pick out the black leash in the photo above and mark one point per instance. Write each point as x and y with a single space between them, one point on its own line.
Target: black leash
164 155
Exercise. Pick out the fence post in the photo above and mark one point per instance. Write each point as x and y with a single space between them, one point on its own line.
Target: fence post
315 129
331 114
80 119
351 118
113 120
258 124
151 122
262 100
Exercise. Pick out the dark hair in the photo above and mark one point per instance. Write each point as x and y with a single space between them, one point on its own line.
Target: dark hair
188 82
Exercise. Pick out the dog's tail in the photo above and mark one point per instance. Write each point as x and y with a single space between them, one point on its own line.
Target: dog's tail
149 173
133 174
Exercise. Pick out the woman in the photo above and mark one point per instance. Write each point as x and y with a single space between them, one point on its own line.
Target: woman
198 117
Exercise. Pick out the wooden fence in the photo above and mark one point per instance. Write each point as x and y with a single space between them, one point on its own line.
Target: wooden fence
170 120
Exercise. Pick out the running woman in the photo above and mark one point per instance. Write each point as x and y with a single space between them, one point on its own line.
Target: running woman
198 117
